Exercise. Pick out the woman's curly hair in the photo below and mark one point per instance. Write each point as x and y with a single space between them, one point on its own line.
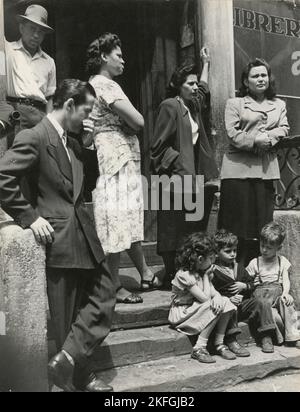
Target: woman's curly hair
195 245
244 91
179 77
106 43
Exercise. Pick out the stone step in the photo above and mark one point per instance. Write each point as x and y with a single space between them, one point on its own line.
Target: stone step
130 319
128 347
152 312
183 374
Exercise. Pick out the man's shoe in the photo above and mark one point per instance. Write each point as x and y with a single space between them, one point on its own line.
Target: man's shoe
238 349
267 344
94 384
61 372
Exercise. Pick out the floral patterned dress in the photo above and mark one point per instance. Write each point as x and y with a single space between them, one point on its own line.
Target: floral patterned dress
118 196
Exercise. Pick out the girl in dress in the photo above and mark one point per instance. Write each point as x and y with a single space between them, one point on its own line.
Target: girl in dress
118 197
197 308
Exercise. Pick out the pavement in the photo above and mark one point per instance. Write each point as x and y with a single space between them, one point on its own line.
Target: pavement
183 374
282 383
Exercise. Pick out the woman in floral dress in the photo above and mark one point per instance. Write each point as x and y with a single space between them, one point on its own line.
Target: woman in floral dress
118 197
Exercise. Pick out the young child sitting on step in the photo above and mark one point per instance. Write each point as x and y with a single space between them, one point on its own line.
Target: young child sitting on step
270 272
227 281
232 280
197 308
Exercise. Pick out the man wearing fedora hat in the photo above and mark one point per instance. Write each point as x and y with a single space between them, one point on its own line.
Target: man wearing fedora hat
31 73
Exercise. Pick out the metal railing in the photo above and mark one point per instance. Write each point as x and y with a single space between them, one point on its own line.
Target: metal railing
287 189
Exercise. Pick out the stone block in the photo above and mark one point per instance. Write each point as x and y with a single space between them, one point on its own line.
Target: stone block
23 348
128 347
183 374
291 248
152 312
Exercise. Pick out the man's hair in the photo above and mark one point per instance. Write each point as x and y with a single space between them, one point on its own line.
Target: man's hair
273 234
72 89
224 239
195 245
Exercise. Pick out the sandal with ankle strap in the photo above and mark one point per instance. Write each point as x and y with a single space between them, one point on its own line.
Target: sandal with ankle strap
131 299
149 284
202 355
224 352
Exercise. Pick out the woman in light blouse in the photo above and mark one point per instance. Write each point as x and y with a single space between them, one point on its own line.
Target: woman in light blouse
118 196
255 122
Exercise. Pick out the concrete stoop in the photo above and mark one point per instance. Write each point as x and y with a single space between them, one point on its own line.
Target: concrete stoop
183 374
127 347
152 312
143 353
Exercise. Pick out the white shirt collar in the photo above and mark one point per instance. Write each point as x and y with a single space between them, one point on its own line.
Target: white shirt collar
56 125
19 45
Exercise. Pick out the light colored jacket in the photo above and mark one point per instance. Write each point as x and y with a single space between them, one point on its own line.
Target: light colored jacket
245 119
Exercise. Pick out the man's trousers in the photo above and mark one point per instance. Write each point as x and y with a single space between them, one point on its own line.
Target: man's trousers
81 305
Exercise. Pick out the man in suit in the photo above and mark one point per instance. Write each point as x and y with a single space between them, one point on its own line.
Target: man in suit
80 289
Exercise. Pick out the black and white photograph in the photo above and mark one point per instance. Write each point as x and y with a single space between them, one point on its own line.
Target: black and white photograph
149 198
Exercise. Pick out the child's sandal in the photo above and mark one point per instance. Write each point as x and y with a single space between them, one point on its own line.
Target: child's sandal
202 355
224 352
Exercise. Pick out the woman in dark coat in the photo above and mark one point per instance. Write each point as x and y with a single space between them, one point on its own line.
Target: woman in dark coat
181 148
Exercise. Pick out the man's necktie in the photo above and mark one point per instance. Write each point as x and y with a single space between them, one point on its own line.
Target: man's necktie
65 140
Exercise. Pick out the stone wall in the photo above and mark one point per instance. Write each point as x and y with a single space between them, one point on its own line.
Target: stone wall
291 247
23 348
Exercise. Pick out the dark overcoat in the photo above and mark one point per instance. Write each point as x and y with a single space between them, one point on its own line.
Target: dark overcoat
173 154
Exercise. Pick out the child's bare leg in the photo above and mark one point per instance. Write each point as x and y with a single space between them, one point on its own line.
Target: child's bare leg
221 327
204 335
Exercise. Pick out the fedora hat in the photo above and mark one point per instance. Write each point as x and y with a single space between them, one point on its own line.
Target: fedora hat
36 14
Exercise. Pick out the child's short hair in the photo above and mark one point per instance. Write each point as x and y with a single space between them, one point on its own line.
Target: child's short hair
273 233
224 239
194 245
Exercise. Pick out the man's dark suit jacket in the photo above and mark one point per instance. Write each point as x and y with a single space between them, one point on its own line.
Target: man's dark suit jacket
56 193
